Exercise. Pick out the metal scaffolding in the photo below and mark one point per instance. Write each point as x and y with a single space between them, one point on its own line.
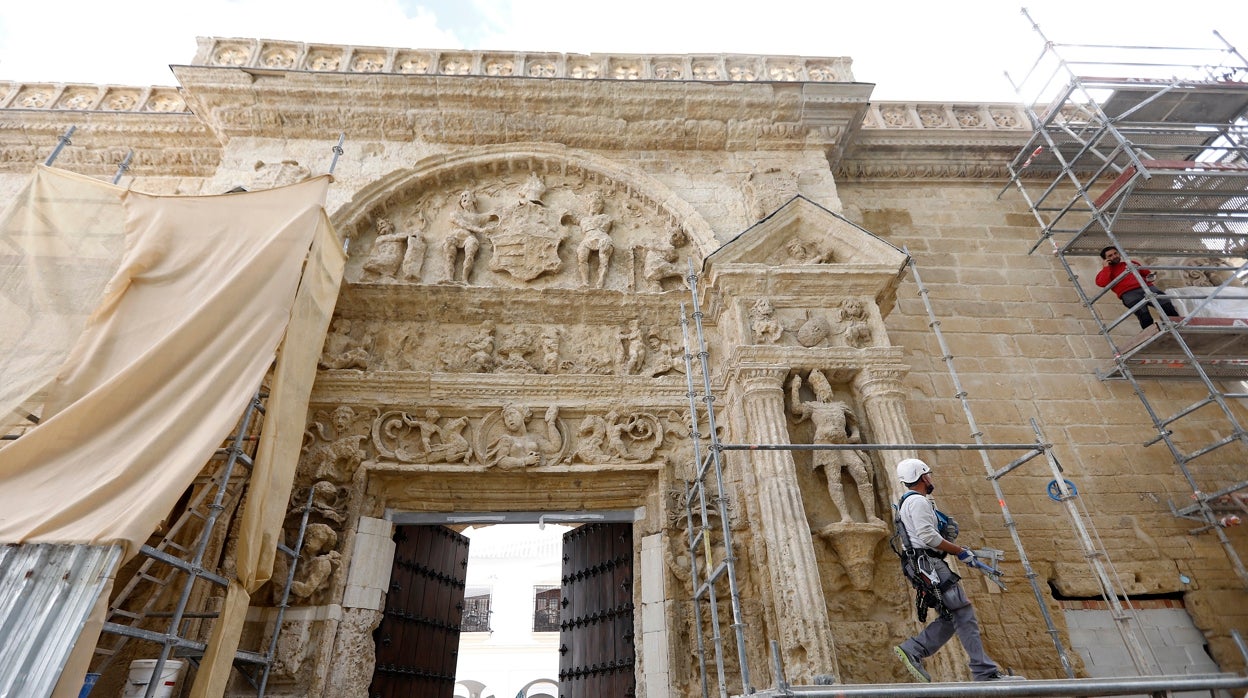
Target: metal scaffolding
1154 163
177 572
702 507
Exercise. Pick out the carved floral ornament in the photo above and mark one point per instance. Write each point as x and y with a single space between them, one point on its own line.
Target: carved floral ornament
558 229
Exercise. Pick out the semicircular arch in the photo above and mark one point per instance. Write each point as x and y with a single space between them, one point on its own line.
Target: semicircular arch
353 218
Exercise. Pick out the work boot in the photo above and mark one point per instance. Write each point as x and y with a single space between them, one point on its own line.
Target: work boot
998 676
913 665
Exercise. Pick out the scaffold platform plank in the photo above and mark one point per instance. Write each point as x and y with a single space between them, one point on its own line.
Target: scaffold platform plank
1220 345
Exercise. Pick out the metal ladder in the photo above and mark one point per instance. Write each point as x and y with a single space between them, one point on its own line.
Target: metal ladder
174 561
699 507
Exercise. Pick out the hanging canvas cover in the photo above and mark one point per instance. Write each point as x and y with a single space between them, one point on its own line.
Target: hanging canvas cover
172 344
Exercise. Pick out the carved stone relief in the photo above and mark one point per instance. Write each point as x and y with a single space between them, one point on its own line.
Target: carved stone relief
854 325
514 438
426 438
401 345
542 230
847 324
834 422
278 174
763 323
507 441
333 446
395 256
343 349
800 251
618 436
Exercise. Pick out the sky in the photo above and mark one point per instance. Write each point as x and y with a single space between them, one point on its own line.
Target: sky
911 50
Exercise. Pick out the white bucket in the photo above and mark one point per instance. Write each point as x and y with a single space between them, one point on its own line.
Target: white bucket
141 674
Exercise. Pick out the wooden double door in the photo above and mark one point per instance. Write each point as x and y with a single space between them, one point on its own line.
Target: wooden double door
418 639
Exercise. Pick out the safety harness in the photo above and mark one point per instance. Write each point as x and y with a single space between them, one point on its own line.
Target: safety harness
919 566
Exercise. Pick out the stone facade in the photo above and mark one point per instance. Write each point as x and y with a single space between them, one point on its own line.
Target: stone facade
508 337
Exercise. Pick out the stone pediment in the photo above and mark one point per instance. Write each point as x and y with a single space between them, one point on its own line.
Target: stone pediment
801 233
803 250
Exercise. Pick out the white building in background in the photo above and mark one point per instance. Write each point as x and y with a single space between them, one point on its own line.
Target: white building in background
509 639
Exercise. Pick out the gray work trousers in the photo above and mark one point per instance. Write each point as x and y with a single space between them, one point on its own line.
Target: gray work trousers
964 623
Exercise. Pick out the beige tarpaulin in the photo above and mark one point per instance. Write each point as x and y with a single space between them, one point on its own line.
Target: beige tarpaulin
277 455
60 243
143 325
180 339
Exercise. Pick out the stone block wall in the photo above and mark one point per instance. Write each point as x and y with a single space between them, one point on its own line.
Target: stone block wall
1025 348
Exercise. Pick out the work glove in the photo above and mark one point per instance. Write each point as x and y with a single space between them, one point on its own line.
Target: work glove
967 556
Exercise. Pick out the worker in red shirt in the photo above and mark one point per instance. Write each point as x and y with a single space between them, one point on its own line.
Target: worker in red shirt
1129 289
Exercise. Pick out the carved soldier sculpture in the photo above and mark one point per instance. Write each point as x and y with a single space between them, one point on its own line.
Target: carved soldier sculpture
596 229
466 224
834 423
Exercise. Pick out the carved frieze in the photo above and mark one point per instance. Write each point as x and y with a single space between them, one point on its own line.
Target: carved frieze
846 324
508 438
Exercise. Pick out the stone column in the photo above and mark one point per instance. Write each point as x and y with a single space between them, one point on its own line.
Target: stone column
796 593
882 397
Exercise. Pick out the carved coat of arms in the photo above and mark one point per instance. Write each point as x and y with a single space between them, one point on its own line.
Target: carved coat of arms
529 234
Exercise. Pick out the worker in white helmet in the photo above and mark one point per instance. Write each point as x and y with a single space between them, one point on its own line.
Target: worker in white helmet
928 540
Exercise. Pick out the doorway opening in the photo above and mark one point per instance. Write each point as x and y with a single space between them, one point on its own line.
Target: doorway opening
485 606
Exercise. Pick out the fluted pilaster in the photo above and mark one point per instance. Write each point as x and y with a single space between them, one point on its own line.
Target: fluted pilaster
797 595
883 398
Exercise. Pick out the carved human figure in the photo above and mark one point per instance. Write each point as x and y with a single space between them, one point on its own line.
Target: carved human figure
615 435
660 261
763 322
387 254
327 501
466 224
802 252
661 358
632 352
834 423
443 444
854 316
342 350
334 458
513 349
516 448
318 560
596 232
481 358
550 350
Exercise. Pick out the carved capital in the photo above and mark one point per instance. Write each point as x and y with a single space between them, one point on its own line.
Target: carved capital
755 378
880 381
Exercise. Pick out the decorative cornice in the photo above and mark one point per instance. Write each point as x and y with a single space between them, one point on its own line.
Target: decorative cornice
838 360
409 389
254 87
165 144
941 116
269 55
90 98
916 140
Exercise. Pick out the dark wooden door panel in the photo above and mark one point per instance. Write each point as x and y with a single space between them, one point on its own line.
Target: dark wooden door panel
597 654
418 636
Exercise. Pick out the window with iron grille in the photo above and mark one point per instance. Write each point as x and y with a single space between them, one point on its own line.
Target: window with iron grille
546 609
476 611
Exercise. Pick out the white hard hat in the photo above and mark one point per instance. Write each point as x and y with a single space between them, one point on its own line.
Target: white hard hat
910 470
